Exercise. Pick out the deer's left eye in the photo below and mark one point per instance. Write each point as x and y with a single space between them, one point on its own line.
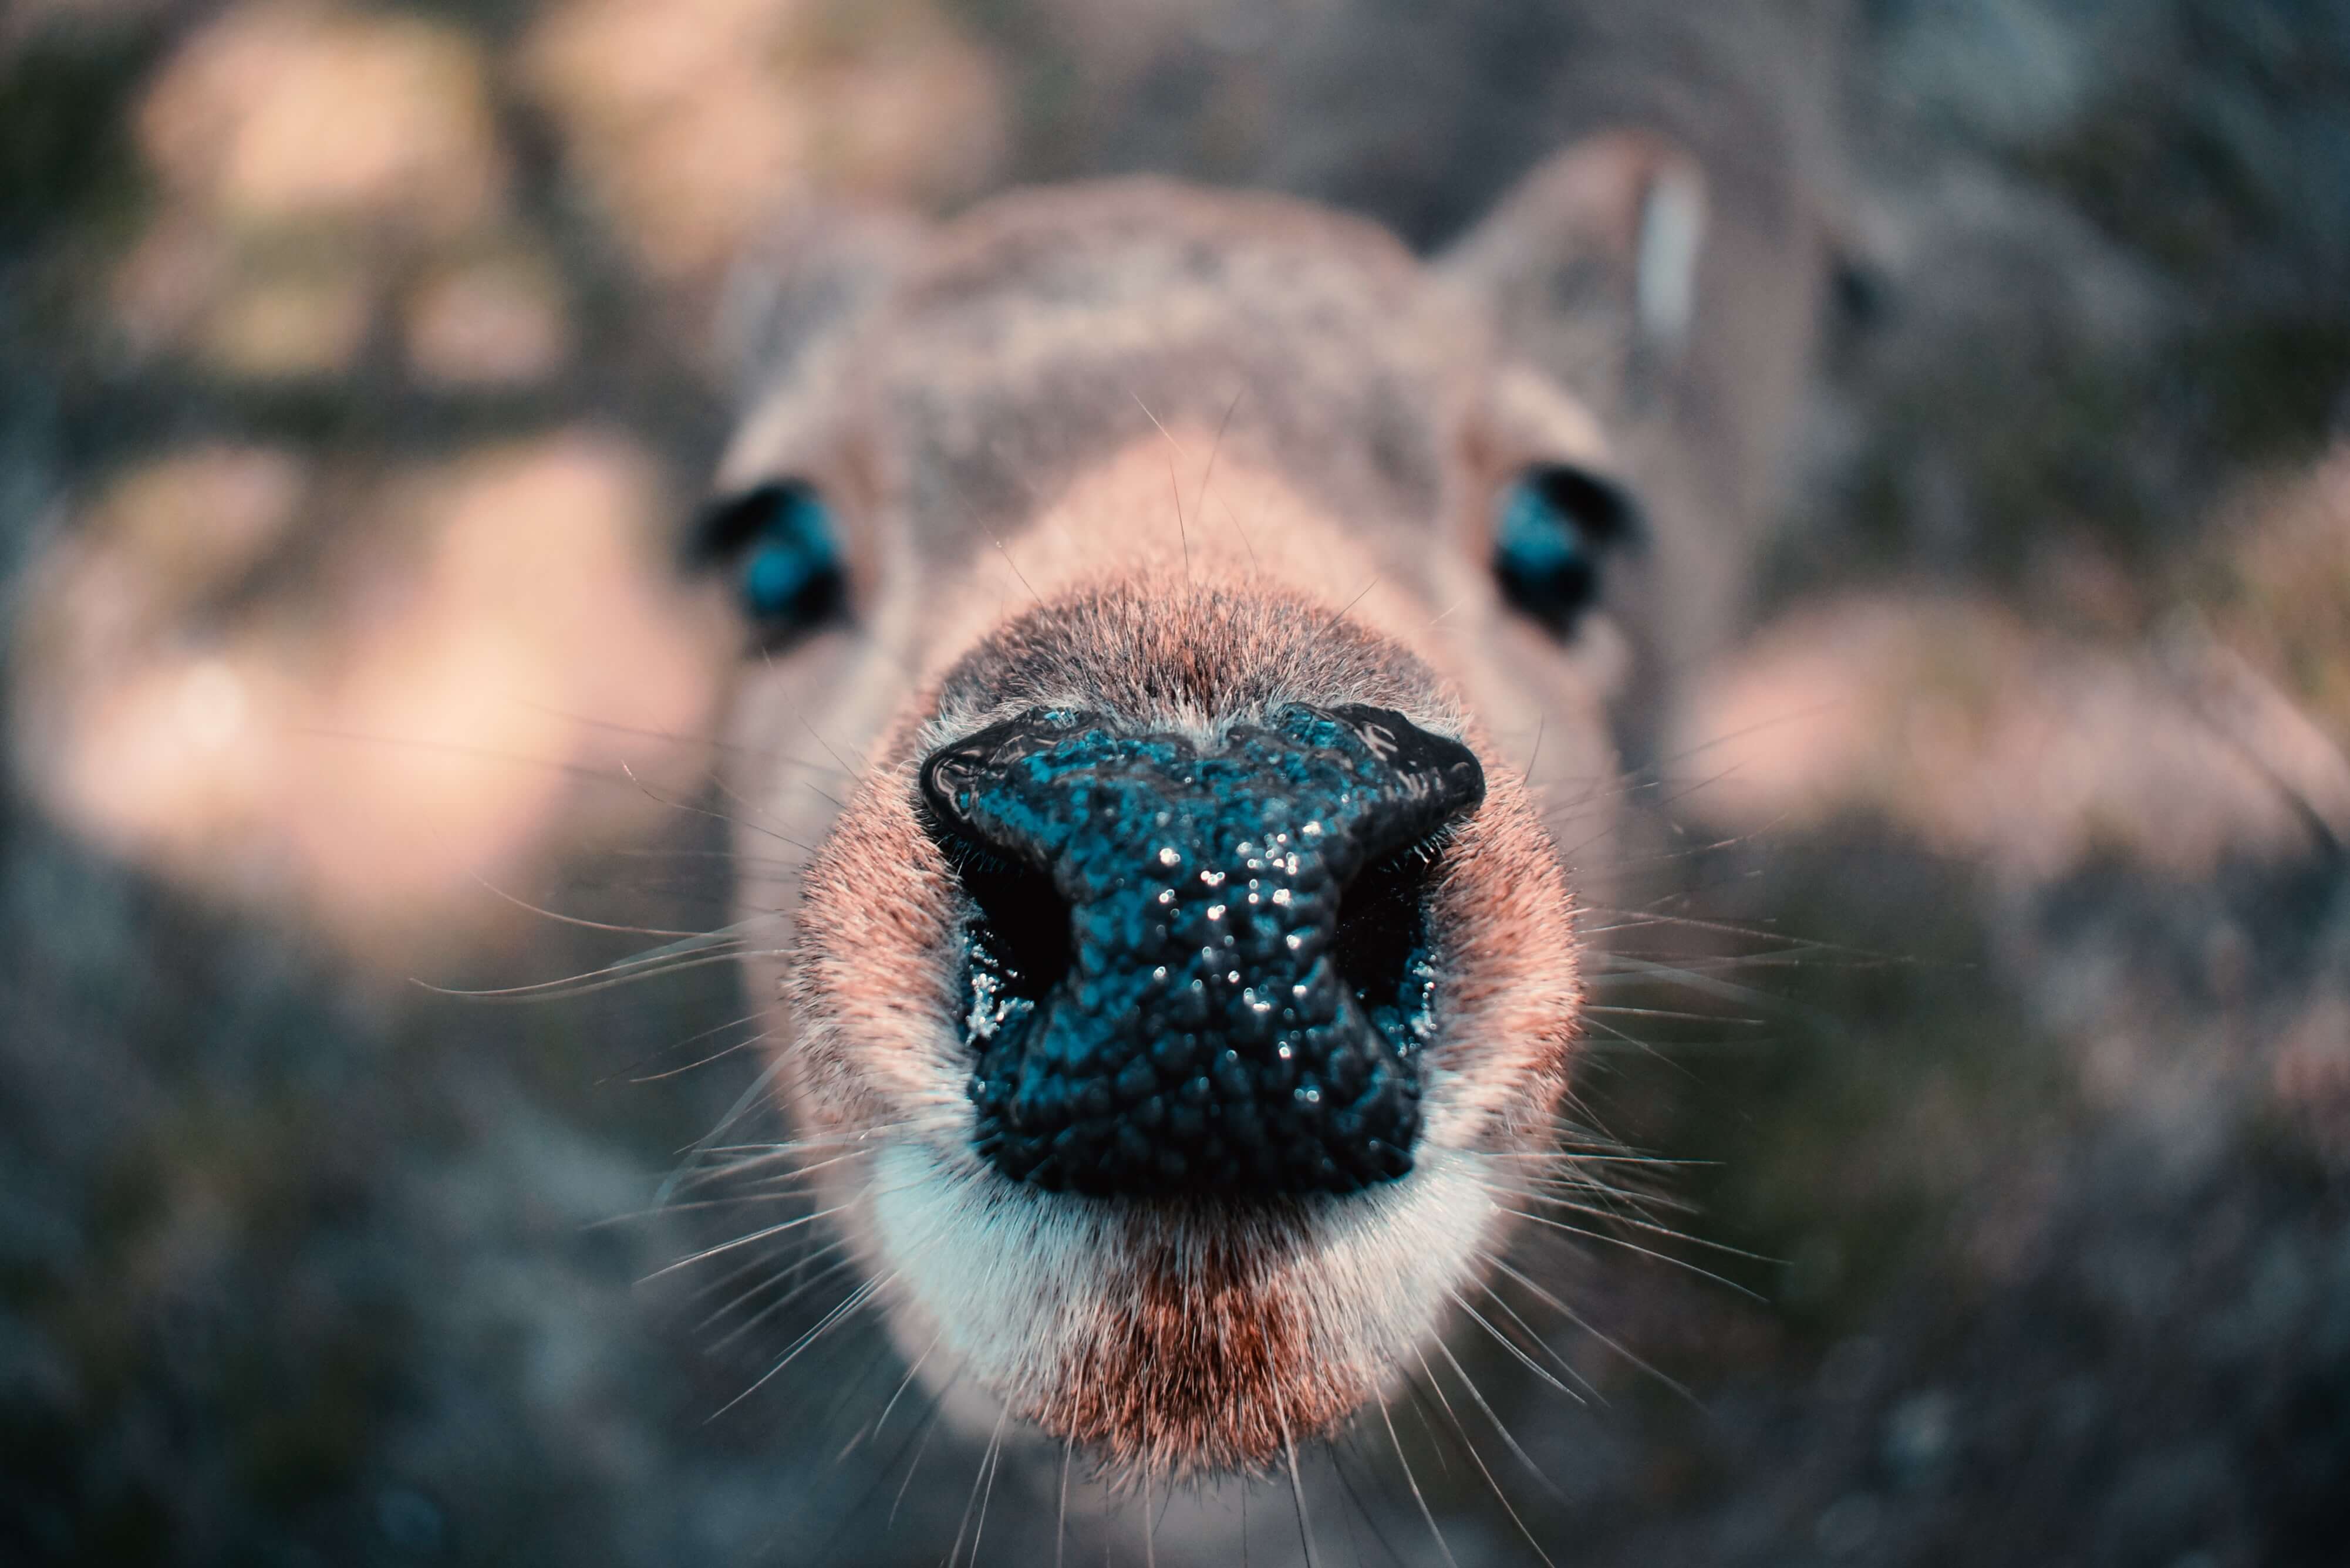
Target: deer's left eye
780 545
1553 528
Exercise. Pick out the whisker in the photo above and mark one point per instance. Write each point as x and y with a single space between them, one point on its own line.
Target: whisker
754 1094
781 1302
755 1037
755 1155
738 1168
1149 1525
658 799
1784 944
1216 446
987 1459
1428 1425
1642 1046
1184 533
930 1425
851 1388
698 1205
1242 529
1568 1312
1061 1523
587 985
448 748
519 903
1702 747
1413 1481
1625 963
1635 1247
862 1295
908 1381
1297 1491
1559 1202
755 1236
1541 1342
1345 608
722 787
1507 1343
1677 1015
694 1039
1477 1458
776 1186
1603 1156
1362 1512
830 749
613 726
1508 1440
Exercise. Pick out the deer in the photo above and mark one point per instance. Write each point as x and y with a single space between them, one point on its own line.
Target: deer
1212 606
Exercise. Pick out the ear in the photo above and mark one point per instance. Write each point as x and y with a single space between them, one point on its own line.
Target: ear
1594 257
809 279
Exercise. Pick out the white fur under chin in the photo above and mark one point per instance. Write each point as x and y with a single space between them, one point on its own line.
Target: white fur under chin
1003 1285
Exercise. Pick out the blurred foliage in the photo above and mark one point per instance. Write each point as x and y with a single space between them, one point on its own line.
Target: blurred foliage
2038 1170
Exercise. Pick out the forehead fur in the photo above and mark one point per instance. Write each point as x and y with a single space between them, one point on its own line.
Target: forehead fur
1051 329
1220 603
1148 647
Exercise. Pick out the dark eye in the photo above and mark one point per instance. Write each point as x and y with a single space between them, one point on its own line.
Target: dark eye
780 547
1552 528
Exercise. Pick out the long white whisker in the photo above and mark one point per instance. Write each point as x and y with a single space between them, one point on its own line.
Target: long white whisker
1504 1341
1413 1481
1635 1247
907 1382
658 799
1477 1458
1297 1492
755 1236
1508 1440
564 990
863 1294
1555 1201
1061 1524
1568 1312
782 1276
929 1425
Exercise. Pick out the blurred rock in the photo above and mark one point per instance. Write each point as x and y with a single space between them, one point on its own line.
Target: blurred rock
284 111
454 691
1989 740
488 321
299 317
2275 583
692 121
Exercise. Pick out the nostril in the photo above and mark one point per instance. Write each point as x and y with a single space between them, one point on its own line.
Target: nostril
1020 939
1380 945
1020 942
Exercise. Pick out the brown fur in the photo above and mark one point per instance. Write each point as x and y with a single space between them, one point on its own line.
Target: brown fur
1181 458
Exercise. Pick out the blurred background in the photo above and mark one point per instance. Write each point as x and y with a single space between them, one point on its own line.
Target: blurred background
355 372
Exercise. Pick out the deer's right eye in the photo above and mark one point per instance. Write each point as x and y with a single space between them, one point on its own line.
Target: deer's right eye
1552 529
780 547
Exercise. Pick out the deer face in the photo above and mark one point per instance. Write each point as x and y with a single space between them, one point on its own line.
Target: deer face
1181 587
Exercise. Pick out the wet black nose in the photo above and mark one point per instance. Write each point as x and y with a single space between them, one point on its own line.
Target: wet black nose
1199 968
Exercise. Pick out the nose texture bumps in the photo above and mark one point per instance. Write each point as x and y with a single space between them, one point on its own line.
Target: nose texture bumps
1240 995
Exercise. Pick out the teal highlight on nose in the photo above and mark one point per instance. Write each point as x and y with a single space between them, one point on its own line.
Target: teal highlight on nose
1198 966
